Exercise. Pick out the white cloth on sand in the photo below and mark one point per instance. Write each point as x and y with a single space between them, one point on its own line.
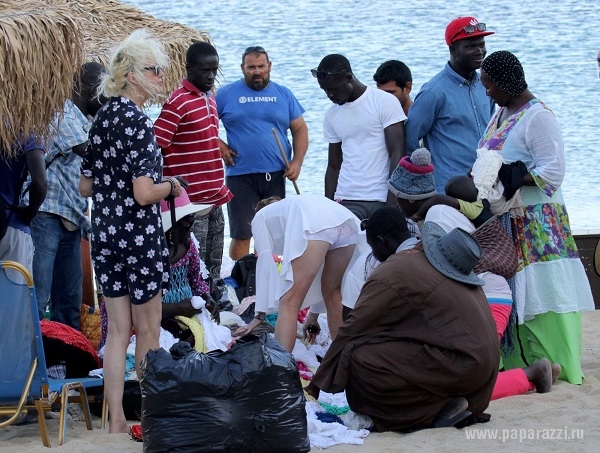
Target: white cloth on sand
325 435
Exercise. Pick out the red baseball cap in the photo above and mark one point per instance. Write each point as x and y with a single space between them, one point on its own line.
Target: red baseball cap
465 27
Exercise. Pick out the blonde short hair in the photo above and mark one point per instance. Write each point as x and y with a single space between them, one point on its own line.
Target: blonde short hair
139 50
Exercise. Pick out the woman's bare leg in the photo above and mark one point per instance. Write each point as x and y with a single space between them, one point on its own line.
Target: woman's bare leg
146 321
305 268
336 262
118 311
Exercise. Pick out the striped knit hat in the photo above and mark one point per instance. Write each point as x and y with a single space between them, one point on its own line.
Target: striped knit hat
413 178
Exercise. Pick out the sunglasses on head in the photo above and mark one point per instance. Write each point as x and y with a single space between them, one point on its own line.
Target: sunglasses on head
473 28
254 49
364 224
321 74
155 69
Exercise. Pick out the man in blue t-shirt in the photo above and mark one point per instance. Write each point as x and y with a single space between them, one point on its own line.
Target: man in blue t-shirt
250 109
26 156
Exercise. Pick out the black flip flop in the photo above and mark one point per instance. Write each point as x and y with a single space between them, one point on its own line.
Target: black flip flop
452 413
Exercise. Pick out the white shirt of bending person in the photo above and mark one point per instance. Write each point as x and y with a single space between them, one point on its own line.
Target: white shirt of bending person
282 228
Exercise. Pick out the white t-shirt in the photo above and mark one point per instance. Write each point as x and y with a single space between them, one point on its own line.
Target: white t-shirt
449 218
359 126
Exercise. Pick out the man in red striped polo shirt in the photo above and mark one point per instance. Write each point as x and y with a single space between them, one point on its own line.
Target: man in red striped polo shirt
187 130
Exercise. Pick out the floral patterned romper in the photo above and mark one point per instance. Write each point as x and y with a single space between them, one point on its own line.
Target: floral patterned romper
129 249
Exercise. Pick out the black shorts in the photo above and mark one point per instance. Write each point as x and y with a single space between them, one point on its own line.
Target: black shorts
247 191
362 209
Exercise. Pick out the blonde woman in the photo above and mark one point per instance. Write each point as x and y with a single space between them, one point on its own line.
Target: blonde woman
122 171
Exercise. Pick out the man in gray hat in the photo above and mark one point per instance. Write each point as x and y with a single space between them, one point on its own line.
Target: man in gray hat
415 352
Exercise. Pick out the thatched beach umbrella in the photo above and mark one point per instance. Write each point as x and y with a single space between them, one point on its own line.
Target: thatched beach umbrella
96 26
104 23
40 49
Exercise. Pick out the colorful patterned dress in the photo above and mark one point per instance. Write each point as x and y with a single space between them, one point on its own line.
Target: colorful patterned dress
551 287
186 278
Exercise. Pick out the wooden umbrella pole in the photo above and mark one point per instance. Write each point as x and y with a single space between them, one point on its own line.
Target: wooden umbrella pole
285 159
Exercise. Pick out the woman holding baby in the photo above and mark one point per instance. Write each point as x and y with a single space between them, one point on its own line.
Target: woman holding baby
551 287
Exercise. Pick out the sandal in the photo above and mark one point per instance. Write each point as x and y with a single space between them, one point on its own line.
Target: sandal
136 433
452 413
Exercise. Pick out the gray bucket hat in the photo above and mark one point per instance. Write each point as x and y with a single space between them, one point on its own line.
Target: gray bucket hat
454 254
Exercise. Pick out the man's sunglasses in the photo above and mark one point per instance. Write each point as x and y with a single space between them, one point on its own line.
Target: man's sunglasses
320 74
155 69
364 224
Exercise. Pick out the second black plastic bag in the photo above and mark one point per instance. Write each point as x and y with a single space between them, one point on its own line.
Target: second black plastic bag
247 399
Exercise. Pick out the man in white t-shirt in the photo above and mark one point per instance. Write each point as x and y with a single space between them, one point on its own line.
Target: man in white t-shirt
365 132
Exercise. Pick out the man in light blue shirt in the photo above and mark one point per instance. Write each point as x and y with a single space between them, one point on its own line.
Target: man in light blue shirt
452 110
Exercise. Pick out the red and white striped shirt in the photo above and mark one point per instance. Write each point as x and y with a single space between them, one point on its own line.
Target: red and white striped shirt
187 130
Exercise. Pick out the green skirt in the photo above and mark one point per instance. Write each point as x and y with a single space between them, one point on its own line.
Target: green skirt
554 336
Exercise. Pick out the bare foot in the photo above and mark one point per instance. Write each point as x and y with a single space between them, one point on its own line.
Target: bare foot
540 375
556 369
115 427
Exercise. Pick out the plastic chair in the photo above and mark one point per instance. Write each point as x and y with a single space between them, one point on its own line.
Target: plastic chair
24 381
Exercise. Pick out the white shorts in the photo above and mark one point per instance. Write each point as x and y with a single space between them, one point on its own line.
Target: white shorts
339 236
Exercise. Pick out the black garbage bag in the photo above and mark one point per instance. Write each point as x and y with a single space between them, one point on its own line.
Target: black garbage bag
246 399
244 273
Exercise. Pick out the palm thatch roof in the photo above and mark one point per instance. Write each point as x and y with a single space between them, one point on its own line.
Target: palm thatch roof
44 41
104 23
39 53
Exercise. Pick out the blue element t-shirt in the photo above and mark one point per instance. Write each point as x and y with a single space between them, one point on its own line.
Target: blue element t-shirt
450 114
249 117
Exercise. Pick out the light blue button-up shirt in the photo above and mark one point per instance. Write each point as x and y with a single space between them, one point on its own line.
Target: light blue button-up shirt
450 114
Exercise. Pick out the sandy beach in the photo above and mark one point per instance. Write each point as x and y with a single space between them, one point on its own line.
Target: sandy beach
565 419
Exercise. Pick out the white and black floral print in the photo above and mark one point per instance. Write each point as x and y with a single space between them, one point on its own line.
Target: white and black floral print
128 245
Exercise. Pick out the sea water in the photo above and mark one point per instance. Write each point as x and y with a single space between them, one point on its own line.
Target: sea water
556 41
